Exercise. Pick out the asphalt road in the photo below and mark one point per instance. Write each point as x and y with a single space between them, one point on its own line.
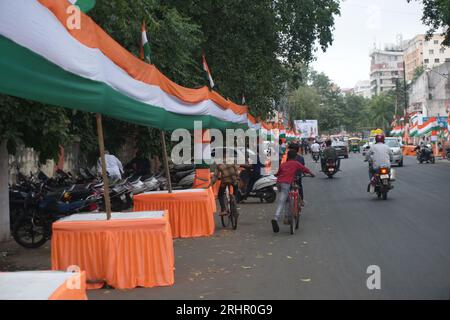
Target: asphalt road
343 231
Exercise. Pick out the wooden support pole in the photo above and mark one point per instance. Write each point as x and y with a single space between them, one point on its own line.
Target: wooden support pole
166 161
101 144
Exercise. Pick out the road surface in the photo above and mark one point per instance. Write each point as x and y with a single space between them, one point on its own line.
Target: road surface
344 231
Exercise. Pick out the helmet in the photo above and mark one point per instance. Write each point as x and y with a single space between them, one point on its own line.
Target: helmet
379 138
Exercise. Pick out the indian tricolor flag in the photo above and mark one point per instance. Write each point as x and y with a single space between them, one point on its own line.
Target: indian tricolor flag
42 60
145 45
414 131
208 72
448 122
428 127
84 5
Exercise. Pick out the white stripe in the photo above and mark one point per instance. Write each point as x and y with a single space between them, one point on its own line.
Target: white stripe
144 38
73 1
33 26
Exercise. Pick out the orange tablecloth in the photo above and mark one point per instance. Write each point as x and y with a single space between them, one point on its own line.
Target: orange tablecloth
131 250
43 285
191 212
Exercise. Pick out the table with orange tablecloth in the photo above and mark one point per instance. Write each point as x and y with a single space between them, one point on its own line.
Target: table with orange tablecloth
131 250
42 285
191 212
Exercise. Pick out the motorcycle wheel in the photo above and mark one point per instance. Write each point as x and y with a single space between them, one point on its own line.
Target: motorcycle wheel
385 196
271 196
24 230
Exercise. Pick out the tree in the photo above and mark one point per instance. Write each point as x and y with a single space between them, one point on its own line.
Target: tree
382 110
253 45
41 127
436 15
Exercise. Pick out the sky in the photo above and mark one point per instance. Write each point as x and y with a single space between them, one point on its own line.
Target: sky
362 24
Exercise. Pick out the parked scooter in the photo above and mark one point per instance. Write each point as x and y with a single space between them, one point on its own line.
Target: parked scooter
447 154
264 189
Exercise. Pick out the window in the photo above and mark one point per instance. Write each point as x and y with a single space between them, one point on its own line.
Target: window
426 61
436 41
431 51
442 50
436 60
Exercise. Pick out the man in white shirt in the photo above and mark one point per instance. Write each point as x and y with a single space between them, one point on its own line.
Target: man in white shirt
114 167
315 148
379 155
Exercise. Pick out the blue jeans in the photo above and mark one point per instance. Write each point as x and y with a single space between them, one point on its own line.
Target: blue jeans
283 189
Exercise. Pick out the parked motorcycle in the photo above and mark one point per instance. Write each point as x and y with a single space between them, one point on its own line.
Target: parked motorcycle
447 154
34 227
381 182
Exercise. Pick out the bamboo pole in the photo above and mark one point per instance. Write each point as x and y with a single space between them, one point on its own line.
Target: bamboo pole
166 161
101 145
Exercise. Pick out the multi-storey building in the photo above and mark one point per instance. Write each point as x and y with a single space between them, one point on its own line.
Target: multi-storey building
430 93
363 89
386 69
428 54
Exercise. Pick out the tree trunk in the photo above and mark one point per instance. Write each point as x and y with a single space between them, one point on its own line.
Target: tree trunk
4 192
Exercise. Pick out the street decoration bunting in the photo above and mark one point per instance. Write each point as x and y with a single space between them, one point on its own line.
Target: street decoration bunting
85 69
84 5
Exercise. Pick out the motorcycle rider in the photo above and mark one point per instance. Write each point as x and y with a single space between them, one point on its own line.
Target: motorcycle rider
286 175
329 153
379 156
315 148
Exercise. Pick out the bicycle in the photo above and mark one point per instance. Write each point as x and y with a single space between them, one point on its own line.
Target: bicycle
231 208
294 208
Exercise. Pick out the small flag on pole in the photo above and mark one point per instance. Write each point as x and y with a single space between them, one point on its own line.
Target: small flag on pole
145 45
84 5
208 72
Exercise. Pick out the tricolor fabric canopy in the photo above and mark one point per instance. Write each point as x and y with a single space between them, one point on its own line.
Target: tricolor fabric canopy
85 69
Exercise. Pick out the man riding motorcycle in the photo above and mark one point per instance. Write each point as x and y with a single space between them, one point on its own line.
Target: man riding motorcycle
329 153
379 156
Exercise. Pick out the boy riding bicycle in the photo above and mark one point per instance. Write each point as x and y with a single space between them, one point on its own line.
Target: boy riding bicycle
229 176
286 176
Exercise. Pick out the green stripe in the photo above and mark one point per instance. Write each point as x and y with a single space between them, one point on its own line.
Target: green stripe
27 75
147 53
85 5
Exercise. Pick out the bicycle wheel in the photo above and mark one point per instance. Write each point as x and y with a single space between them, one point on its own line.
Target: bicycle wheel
299 211
233 212
292 210
227 218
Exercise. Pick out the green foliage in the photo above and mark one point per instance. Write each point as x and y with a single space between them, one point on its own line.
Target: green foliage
382 110
38 126
253 47
418 72
436 15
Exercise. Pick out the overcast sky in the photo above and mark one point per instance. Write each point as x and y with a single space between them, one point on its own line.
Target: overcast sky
361 24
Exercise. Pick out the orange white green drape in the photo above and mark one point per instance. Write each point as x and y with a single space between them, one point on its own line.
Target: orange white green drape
85 69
